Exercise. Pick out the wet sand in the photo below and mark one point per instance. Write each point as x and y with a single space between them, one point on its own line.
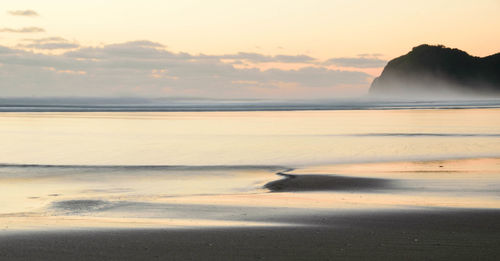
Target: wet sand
422 210
295 183
402 235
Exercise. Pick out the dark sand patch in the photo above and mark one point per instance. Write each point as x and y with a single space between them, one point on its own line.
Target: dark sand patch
79 206
325 183
404 235
108 191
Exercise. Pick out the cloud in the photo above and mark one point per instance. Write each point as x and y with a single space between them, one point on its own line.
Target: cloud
144 68
133 49
23 30
374 55
49 43
51 46
46 39
260 58
6 50
357 62
23 13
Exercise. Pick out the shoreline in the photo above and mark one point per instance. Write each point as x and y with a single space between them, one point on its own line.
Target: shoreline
406 210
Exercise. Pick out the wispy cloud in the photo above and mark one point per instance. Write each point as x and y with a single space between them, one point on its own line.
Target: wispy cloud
357 62
373 55
260 58
51 46
48 43
23 13
23 30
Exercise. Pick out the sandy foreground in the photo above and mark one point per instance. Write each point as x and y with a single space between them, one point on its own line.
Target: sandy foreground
433 210
414 235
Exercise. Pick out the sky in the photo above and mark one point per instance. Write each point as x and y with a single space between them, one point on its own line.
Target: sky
225 49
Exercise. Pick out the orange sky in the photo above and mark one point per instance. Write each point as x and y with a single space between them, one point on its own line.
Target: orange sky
319 29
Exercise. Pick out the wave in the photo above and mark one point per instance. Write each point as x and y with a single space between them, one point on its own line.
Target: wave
32 106
148 167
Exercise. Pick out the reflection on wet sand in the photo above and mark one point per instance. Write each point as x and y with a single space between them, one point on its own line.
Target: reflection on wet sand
66 197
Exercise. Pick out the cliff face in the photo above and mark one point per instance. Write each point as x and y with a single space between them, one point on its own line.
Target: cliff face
436 70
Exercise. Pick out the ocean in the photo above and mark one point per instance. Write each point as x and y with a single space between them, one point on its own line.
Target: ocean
92 167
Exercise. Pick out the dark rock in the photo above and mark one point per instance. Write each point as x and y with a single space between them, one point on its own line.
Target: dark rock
438 71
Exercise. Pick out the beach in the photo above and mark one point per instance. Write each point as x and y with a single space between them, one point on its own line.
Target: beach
249 130
350 185
408 235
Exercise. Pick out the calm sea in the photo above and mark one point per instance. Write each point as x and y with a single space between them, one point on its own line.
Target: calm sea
139 168
293 138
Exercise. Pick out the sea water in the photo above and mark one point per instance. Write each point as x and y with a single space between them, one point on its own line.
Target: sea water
130 165
246 138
